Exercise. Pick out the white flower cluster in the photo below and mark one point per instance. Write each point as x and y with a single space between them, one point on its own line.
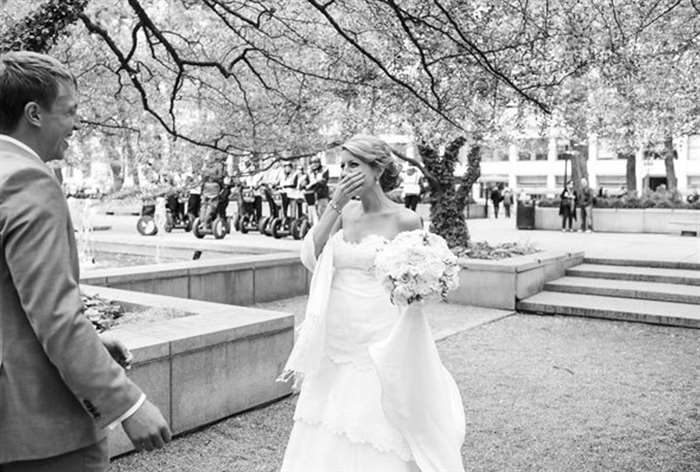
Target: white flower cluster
416 266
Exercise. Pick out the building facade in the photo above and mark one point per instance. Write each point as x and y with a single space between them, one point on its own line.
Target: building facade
537 168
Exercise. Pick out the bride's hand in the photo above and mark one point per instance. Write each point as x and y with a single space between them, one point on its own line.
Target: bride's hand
348 187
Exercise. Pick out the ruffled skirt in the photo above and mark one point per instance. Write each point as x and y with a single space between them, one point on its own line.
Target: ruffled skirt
339 424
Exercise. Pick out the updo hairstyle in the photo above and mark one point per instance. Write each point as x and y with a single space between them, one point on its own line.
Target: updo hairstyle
377 154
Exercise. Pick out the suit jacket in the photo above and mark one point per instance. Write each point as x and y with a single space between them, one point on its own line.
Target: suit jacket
59 387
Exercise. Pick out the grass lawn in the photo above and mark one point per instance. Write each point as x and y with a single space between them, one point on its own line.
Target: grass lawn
540 393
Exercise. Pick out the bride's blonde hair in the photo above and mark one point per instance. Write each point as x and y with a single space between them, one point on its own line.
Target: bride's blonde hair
378 154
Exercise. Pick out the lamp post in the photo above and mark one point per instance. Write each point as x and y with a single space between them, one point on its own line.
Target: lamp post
648 161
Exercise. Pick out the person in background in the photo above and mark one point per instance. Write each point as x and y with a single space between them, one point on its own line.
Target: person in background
271 181
61 385
308 195
585 201
411 188
507 200
288 181
319 184
253 180
496 198
567 207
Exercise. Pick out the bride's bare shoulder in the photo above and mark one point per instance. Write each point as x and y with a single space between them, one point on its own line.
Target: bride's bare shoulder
409 220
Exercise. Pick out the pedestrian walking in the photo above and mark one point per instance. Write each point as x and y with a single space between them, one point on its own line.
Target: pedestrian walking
585 202
496 198
507 201
567 207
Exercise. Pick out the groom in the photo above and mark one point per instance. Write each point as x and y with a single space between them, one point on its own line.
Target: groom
60 389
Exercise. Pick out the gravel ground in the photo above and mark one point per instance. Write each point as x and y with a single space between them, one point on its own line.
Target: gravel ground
541 394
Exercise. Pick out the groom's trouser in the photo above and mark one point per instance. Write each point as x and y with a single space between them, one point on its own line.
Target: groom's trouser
93 458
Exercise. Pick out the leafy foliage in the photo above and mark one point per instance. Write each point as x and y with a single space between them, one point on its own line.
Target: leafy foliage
41 29
484 250
101 312
649 199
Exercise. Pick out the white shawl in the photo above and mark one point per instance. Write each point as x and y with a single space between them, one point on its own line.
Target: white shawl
419 396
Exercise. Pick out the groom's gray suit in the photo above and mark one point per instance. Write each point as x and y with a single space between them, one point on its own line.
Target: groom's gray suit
59 387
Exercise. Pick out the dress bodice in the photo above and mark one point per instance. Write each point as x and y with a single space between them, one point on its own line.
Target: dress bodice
355 255
359 310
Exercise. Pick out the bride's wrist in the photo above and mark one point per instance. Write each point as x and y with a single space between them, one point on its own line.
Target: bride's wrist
336 207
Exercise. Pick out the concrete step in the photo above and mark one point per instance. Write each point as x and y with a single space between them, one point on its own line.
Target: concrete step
627 289
644 274
614 308
659 264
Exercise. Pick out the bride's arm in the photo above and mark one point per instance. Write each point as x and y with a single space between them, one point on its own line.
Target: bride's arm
330 221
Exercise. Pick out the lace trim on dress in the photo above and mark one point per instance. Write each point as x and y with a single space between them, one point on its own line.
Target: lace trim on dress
400 449
362 240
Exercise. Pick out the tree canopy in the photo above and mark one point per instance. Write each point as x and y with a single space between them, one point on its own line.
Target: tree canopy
284 79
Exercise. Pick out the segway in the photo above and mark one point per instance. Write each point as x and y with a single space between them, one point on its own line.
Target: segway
279 221
209 221
302 224
247 218
146 225
175 215
264 223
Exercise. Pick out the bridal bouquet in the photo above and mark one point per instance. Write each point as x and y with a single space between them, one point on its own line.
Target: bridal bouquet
416 266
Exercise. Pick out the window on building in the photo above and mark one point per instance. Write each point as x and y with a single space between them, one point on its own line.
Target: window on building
529 182
605 149
494 154
568 147
694 182
535 149
694 147
611 181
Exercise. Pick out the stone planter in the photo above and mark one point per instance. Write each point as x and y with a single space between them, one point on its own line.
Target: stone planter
658 220
474 211
237 280
201 368
623 220
547 218
501 284
618 220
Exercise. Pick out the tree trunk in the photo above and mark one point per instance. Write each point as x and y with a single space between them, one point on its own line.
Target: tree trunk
447 216
631 173
132 165
669 156
115 163
579 164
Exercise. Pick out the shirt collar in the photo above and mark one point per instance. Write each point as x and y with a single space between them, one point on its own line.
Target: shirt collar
21 145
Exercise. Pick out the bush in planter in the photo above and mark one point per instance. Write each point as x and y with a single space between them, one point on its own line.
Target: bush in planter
549 203
649 199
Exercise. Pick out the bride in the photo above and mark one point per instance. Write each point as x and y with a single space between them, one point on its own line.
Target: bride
374 396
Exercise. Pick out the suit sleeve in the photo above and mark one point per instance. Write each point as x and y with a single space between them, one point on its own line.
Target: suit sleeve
38 253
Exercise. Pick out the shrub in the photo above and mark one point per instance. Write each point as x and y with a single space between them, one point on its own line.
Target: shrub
549 203
649 199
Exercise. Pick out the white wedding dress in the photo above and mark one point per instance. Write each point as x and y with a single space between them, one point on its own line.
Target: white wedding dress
340 423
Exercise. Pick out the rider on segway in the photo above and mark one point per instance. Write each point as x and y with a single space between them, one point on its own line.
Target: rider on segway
209 220
288 180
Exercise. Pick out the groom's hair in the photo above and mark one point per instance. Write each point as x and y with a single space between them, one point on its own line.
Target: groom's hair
28 77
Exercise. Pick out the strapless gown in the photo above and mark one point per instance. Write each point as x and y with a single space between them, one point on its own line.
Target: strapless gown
339 423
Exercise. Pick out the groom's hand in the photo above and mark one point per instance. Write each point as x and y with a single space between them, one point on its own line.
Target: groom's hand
147 428
118 350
